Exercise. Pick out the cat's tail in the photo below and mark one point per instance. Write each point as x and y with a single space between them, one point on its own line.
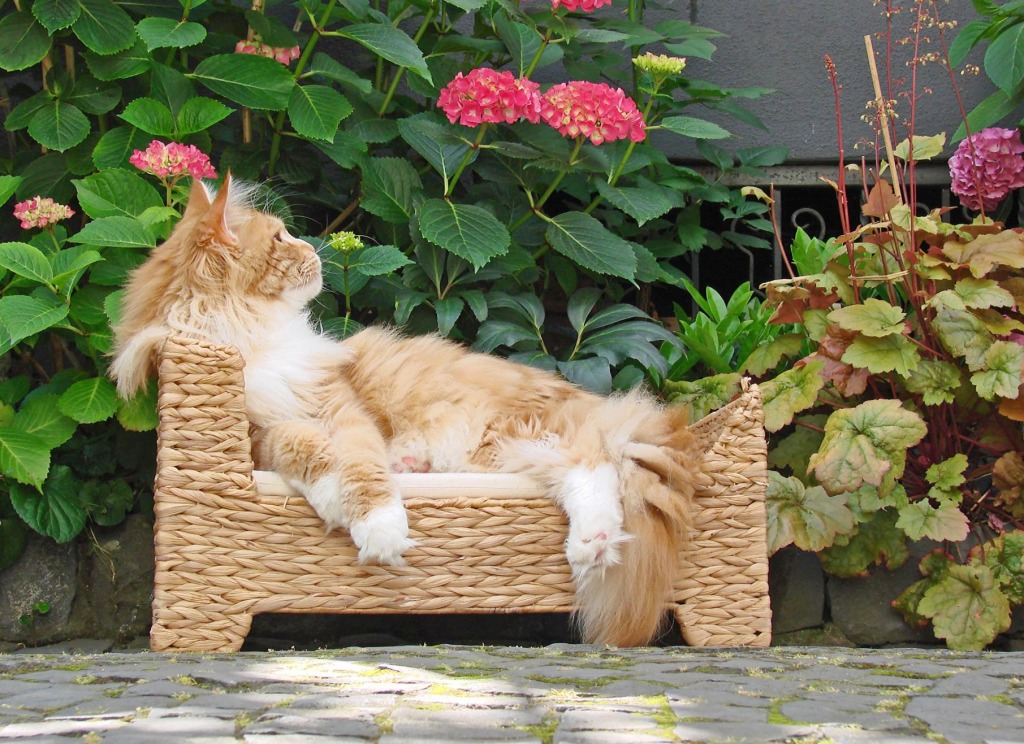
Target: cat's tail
652 452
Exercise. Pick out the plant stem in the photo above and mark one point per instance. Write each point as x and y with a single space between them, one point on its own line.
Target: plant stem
427 19
275 143
551 188
466 159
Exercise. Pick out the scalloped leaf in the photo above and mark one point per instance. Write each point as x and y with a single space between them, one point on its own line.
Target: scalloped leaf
56 14
160 33
23 457
934 567
704 395
391 189
877 542
982 293
22 316
642 204
590 244
984 253
963 335
250 81
879 355
59 126
1001 371
791 392
89 401
806 517
944 522
26 261
41 418
115 232
767 356
967 607
936 381
26 42
104 27
316 110
873 318
794 451
391 43
865 444
1005 556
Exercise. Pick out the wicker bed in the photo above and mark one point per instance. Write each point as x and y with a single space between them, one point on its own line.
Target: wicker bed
232 543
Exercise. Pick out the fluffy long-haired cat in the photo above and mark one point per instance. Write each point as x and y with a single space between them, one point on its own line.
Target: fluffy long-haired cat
335 419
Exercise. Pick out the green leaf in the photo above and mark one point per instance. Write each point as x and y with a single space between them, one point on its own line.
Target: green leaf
468 231
116 192
391 43
27 261
495 333
934 567
434 142
94 97
104 27
704 395
316 110
159 33
59 126
877 541
967 607
8 185
149 115
115 232
872 317
592 374
250 81
378 260
41 418
23 457
107 502
982 293
642 204
1000 374
925 148
688 126
794 450
25 41
89 401
806 517
69 265
948 474
962 334
57 511
944 522
966 40
1005 556
448 311
116 147
56 14
391 189
22 316
865 444
590 244
879 355
129 63
328 67
766 357
199 114
789 393
1004 59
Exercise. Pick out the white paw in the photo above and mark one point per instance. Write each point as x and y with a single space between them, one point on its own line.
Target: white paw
325 497
594 547
383 535
590 498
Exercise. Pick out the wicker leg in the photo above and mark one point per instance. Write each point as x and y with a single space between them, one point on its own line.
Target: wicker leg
211 632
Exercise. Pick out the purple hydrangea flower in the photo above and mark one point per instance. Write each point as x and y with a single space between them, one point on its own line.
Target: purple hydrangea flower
986 167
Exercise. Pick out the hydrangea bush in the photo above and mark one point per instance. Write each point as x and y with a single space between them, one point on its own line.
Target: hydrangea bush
446 187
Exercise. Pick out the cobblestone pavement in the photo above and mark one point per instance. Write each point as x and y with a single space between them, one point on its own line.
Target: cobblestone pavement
561 693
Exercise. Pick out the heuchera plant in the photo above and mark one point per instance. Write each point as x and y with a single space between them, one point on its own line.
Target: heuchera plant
898 413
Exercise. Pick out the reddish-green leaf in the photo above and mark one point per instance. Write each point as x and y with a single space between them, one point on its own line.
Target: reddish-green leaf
806 517
967 607
791 392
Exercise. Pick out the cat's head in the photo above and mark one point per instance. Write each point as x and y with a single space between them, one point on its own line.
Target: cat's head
224 264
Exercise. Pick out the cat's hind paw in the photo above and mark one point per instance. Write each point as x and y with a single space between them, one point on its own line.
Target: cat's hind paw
383 535
594 548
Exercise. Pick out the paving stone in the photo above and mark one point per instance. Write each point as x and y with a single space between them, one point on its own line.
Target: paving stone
61 727
966 719
195 730
356 725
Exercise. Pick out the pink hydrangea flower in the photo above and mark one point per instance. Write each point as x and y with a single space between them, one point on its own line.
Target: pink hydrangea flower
284 55
989 160
594 110
40 211
486 95
173 160
587 6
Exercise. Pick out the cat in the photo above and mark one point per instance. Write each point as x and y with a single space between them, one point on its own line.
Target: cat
335 418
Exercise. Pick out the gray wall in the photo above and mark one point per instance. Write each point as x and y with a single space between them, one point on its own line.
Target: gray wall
781 45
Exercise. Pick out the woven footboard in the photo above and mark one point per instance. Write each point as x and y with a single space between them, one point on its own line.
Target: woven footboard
232 543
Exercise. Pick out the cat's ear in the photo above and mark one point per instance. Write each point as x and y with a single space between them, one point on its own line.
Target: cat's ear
198 201
215 223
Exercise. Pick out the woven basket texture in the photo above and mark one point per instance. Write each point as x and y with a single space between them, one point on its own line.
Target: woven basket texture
228 548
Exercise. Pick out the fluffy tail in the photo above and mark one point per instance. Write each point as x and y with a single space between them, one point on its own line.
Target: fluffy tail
626 606
652 451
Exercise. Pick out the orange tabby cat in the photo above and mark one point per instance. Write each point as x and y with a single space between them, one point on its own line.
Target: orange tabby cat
335 418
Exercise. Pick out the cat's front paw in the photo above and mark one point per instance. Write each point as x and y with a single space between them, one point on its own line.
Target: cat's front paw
383 535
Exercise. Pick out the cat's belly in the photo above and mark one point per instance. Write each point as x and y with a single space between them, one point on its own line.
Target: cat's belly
442 438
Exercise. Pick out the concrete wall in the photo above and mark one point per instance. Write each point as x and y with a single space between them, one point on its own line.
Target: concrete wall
781 45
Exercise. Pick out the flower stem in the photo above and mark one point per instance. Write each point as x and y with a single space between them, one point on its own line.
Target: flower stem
275 143
551 188
626 155
465 160
427 19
